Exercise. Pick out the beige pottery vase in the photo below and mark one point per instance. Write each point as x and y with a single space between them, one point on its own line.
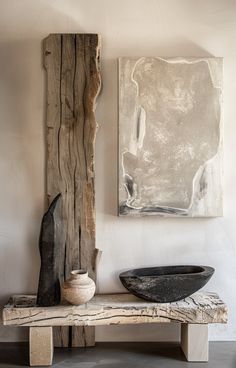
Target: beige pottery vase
79 288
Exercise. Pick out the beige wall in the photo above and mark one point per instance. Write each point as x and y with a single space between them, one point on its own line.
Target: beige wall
128 28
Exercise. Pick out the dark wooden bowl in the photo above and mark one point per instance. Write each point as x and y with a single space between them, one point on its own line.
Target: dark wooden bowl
166 284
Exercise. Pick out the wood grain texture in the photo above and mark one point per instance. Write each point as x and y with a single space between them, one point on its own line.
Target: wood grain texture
73 83
61 336
200 308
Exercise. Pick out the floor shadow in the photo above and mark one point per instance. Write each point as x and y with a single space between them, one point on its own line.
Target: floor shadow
14 354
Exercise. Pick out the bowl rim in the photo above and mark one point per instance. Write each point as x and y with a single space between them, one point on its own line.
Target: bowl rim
206 270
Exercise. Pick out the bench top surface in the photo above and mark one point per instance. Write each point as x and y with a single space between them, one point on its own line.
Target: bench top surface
106 309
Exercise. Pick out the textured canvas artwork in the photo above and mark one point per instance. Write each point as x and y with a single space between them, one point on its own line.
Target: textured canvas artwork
170 143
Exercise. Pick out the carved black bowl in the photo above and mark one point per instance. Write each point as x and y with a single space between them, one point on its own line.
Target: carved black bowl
166 284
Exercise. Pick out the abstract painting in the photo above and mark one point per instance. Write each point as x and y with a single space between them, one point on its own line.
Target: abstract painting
170 136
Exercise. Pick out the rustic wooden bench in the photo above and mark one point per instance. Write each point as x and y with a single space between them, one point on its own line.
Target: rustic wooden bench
194 313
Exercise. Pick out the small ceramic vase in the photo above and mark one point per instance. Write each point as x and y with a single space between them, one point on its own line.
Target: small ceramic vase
79 288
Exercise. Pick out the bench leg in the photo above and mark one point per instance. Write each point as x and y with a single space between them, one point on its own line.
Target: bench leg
194 342
41 346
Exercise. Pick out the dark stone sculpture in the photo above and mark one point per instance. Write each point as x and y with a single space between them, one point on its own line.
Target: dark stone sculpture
166 284
52 256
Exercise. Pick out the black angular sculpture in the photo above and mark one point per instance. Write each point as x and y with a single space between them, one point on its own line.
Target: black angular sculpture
52 255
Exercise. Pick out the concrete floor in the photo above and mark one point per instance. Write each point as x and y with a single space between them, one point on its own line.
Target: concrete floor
122 355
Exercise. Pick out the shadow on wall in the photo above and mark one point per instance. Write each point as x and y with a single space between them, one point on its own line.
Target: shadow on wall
106 140
22 165
22 143
152 332
22 149
22 111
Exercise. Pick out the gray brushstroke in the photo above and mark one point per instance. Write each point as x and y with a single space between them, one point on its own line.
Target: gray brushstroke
180 100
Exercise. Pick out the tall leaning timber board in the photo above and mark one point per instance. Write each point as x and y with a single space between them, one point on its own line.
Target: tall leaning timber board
73 83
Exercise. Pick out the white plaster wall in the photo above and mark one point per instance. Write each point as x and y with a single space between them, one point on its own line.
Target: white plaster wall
128 28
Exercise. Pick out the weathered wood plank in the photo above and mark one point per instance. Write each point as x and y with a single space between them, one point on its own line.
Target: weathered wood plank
61 336
200 308
73 83
83 336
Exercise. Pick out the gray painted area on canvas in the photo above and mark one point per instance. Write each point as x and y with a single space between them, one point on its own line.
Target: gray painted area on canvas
170 140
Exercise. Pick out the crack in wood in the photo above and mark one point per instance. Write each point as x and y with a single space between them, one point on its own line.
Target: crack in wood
74 83
117 310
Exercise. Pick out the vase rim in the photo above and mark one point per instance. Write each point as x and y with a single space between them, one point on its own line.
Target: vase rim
79 272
